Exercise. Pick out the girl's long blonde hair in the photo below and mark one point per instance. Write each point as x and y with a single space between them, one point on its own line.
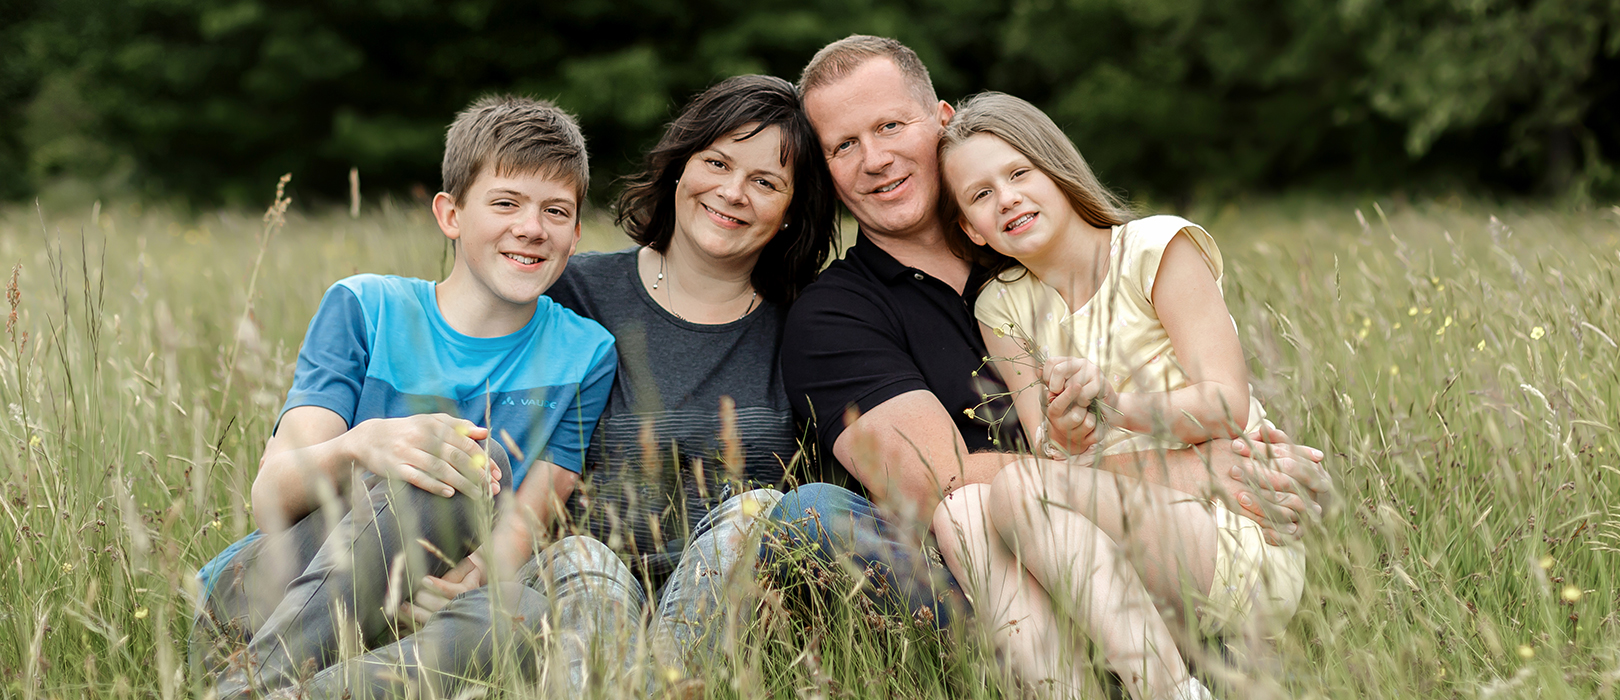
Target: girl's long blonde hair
1030 132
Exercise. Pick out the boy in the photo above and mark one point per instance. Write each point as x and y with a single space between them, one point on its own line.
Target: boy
393 383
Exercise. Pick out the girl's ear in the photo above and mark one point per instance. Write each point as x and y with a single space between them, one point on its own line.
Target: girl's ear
961 222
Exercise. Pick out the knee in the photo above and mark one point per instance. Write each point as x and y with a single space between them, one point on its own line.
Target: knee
813 502
970 501
580 564
1008 497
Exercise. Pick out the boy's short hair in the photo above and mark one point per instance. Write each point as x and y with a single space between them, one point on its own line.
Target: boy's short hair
840 58
514 135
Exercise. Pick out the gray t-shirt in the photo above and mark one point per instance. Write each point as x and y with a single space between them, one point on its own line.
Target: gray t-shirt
671 376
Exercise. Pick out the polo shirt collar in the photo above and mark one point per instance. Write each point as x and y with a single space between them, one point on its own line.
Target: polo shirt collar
876 259
886 268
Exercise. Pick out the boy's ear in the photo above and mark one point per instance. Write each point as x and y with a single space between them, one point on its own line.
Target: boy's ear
574 244
448 216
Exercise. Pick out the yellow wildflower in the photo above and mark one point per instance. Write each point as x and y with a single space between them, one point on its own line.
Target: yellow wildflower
1537 332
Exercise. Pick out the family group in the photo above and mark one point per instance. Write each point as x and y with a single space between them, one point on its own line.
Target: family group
1012 405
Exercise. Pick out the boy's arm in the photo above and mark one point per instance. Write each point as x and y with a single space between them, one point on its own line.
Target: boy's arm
434 452
1215 404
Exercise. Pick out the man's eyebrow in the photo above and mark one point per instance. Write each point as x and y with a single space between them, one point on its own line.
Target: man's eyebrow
559 200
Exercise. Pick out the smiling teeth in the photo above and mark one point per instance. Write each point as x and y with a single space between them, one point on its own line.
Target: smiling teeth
522 258
723 216
889 187
1020 221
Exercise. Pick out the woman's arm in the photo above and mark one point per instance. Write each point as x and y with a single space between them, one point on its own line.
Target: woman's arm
1215 404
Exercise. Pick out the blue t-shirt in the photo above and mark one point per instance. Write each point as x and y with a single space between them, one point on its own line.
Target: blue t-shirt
378 347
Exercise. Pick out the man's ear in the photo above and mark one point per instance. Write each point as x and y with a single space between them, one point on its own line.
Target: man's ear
447 215
946 111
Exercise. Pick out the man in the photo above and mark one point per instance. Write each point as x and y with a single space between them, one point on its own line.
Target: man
883 357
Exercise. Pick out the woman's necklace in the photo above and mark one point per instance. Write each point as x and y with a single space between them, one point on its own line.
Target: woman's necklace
669 295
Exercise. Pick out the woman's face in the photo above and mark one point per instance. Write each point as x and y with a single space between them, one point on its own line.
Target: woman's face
733 195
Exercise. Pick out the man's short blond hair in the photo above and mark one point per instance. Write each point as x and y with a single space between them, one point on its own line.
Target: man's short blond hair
514 136
837 60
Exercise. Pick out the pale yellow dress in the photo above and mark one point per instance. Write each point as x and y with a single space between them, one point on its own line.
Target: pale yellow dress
1119 331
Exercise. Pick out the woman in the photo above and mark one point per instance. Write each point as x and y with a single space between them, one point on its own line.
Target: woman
733 214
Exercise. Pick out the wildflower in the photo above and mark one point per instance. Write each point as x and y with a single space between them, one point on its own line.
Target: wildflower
1447 323
140 613
1537 332
1411 311
214 524
67 568
1546 561
1526 653
1479 347
969 413
1394 370
479 461
1571 593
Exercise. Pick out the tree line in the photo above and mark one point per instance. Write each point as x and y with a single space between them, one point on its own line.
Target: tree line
211 100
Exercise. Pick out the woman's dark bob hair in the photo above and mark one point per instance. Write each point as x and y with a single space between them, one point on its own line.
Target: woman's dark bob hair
794 256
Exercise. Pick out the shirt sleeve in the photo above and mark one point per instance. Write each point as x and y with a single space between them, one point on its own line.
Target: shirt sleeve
995 307
840 350
1147 239
568 442
332 362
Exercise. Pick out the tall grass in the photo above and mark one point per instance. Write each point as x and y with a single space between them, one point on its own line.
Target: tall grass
1456 360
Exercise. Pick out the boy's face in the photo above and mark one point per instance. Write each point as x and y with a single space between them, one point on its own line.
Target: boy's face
514 233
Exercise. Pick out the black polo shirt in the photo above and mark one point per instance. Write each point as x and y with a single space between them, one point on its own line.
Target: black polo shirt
870 329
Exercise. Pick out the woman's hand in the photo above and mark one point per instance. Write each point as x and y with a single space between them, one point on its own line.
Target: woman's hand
1072 383
434 452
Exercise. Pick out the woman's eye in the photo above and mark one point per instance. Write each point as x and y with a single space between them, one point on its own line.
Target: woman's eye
767 184
1019 173
717 165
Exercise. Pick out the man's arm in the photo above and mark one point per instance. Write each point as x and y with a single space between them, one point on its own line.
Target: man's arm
907 452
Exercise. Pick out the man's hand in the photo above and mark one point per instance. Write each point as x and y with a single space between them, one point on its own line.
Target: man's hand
435 452
1071 385
1275 482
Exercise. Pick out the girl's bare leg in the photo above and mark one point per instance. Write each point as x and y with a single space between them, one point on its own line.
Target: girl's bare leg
1113 545
1012 606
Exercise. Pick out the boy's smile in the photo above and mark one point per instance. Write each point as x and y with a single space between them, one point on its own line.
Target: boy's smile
514 234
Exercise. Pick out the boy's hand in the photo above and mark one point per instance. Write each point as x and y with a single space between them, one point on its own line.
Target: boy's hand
435 592
1071 385
435 452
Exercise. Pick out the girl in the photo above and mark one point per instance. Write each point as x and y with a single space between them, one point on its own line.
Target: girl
1123 319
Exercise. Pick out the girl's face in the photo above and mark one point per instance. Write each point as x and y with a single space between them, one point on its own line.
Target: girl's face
1006 202
733 196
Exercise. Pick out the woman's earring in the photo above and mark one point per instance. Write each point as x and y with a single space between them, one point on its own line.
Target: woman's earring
784 226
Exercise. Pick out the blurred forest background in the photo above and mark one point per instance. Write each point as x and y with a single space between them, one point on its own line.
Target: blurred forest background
208 101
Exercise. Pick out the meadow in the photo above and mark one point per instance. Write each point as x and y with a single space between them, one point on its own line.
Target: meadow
1456 359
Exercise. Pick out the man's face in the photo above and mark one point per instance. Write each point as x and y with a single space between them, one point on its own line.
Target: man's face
881 144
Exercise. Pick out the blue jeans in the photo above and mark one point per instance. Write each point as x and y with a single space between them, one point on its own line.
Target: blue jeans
843 531
276 605
577 615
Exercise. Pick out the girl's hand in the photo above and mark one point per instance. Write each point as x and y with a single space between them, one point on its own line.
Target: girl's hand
1072 384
